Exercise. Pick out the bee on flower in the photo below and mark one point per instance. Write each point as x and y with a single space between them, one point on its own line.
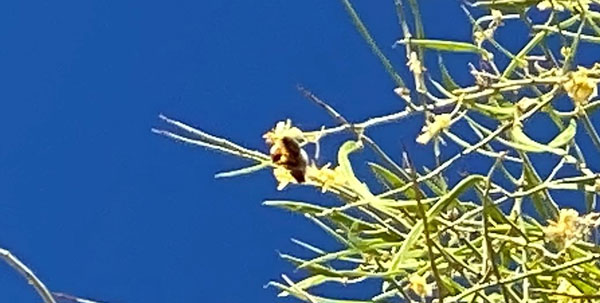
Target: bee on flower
287 154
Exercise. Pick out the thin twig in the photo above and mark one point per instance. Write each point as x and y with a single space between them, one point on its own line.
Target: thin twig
37 284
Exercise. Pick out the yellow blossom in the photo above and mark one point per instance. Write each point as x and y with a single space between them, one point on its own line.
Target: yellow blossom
283 129
284 177
581 88
565 51
414 65
497 17
565 228
479 37
418 284
440 122
526 103
325 176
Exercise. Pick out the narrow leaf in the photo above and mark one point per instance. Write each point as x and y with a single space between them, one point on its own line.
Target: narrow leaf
445 45
447 79
417 230
564 137
242 171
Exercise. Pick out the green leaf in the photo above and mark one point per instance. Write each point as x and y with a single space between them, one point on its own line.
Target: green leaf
307 208
445 45
522 142
447 79
330 257
242 171
564 137
344 163
501 113
506 6
451 286
437 183
314 299
362 29
314 268
417 230
311 282
541 202
586 287
539 37
390 179
347 148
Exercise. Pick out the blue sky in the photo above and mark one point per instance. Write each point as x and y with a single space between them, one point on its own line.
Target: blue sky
102 208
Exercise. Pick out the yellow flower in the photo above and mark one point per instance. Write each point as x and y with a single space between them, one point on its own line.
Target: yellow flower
479 37
526 103
283 129
581 88
565 51
440 122
414 65
325 176
418 284
565 229
497 17
284 177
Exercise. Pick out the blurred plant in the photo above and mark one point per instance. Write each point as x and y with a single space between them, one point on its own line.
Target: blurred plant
424 236
38 285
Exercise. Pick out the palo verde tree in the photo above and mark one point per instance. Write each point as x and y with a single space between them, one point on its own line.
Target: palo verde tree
496 236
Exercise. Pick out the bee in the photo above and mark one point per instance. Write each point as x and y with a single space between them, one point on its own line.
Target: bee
287 152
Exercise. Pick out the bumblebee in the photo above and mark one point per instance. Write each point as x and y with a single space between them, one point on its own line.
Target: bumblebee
287 152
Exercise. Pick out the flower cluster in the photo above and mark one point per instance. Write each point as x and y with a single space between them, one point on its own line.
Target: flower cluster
414 65
287 154
283 177
580 87
326 177
440 122
565 228
481 34
282 130
418 284
292 163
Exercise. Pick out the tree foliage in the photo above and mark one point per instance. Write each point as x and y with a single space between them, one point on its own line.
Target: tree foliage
498 236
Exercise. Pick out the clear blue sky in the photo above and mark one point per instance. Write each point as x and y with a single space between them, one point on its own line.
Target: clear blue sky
102 208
